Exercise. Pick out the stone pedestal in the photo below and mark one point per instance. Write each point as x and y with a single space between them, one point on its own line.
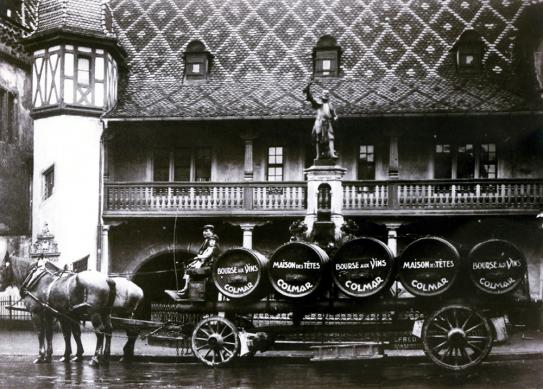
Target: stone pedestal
325 172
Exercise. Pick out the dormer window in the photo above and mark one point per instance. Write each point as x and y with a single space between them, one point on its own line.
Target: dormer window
197 61
10 8
468 50
326 57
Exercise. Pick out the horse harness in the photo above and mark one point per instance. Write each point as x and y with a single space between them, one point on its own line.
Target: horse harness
35 274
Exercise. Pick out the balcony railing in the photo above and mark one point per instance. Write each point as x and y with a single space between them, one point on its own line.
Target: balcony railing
443 194
289 198
204 197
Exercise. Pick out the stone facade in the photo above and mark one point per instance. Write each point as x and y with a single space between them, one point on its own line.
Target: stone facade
17 127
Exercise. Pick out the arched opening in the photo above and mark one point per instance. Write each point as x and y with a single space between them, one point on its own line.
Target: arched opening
156 275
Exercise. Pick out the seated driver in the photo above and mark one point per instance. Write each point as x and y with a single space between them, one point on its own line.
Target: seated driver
206 254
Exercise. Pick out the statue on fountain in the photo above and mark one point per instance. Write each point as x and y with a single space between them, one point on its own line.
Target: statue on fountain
323 131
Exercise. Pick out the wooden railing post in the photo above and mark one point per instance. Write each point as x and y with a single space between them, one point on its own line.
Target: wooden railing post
248 197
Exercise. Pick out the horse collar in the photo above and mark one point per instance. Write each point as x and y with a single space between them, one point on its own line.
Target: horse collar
33 276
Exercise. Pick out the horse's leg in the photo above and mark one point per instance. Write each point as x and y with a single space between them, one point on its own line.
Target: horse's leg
128 349
98 325
76 331
108 333
37 320
48 322
66 328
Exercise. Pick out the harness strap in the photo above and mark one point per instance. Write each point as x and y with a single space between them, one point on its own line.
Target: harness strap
49 287
31 279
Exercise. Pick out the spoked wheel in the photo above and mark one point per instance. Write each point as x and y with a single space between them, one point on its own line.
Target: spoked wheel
457 337
215 341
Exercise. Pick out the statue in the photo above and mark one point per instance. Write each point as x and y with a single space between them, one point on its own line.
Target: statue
323 131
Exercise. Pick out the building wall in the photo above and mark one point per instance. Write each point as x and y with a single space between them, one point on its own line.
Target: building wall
72 145
518 149
16 153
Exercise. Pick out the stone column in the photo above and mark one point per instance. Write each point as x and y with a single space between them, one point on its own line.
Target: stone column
247 229
392 237
104 260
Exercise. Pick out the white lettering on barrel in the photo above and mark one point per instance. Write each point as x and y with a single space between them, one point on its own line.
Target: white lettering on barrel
238 289
294 288
496 285
428 264
429 287
356 287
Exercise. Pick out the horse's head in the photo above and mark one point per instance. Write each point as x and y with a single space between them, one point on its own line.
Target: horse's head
6 272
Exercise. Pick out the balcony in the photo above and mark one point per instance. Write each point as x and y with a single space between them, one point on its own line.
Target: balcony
360 198
501 196
205 199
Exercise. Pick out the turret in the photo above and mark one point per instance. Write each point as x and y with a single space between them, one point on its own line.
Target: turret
75 61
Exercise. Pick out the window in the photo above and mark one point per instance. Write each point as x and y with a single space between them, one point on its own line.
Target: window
75 76
275 163
465 161
469 52
326 56
8 116
48 182
182 164
202 164
161 165
488 165
197 61
443 161
83 71
366 162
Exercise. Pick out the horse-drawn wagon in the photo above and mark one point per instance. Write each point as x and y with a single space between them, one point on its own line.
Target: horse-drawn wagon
455 303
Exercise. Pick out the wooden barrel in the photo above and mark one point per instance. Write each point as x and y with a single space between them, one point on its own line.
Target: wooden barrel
429 266
298 269
496 266
362 267
239 273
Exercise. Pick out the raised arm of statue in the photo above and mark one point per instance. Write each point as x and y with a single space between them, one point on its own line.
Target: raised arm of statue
309 96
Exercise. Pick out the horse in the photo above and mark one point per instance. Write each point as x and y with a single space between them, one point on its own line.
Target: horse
48 294
128 297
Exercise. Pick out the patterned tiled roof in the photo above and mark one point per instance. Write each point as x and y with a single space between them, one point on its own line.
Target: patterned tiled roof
85 17
396 56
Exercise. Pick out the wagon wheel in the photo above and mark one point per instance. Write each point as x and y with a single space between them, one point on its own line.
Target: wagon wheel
457 337
215 341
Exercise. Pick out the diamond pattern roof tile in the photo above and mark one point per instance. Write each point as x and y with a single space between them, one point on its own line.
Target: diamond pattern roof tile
395 58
